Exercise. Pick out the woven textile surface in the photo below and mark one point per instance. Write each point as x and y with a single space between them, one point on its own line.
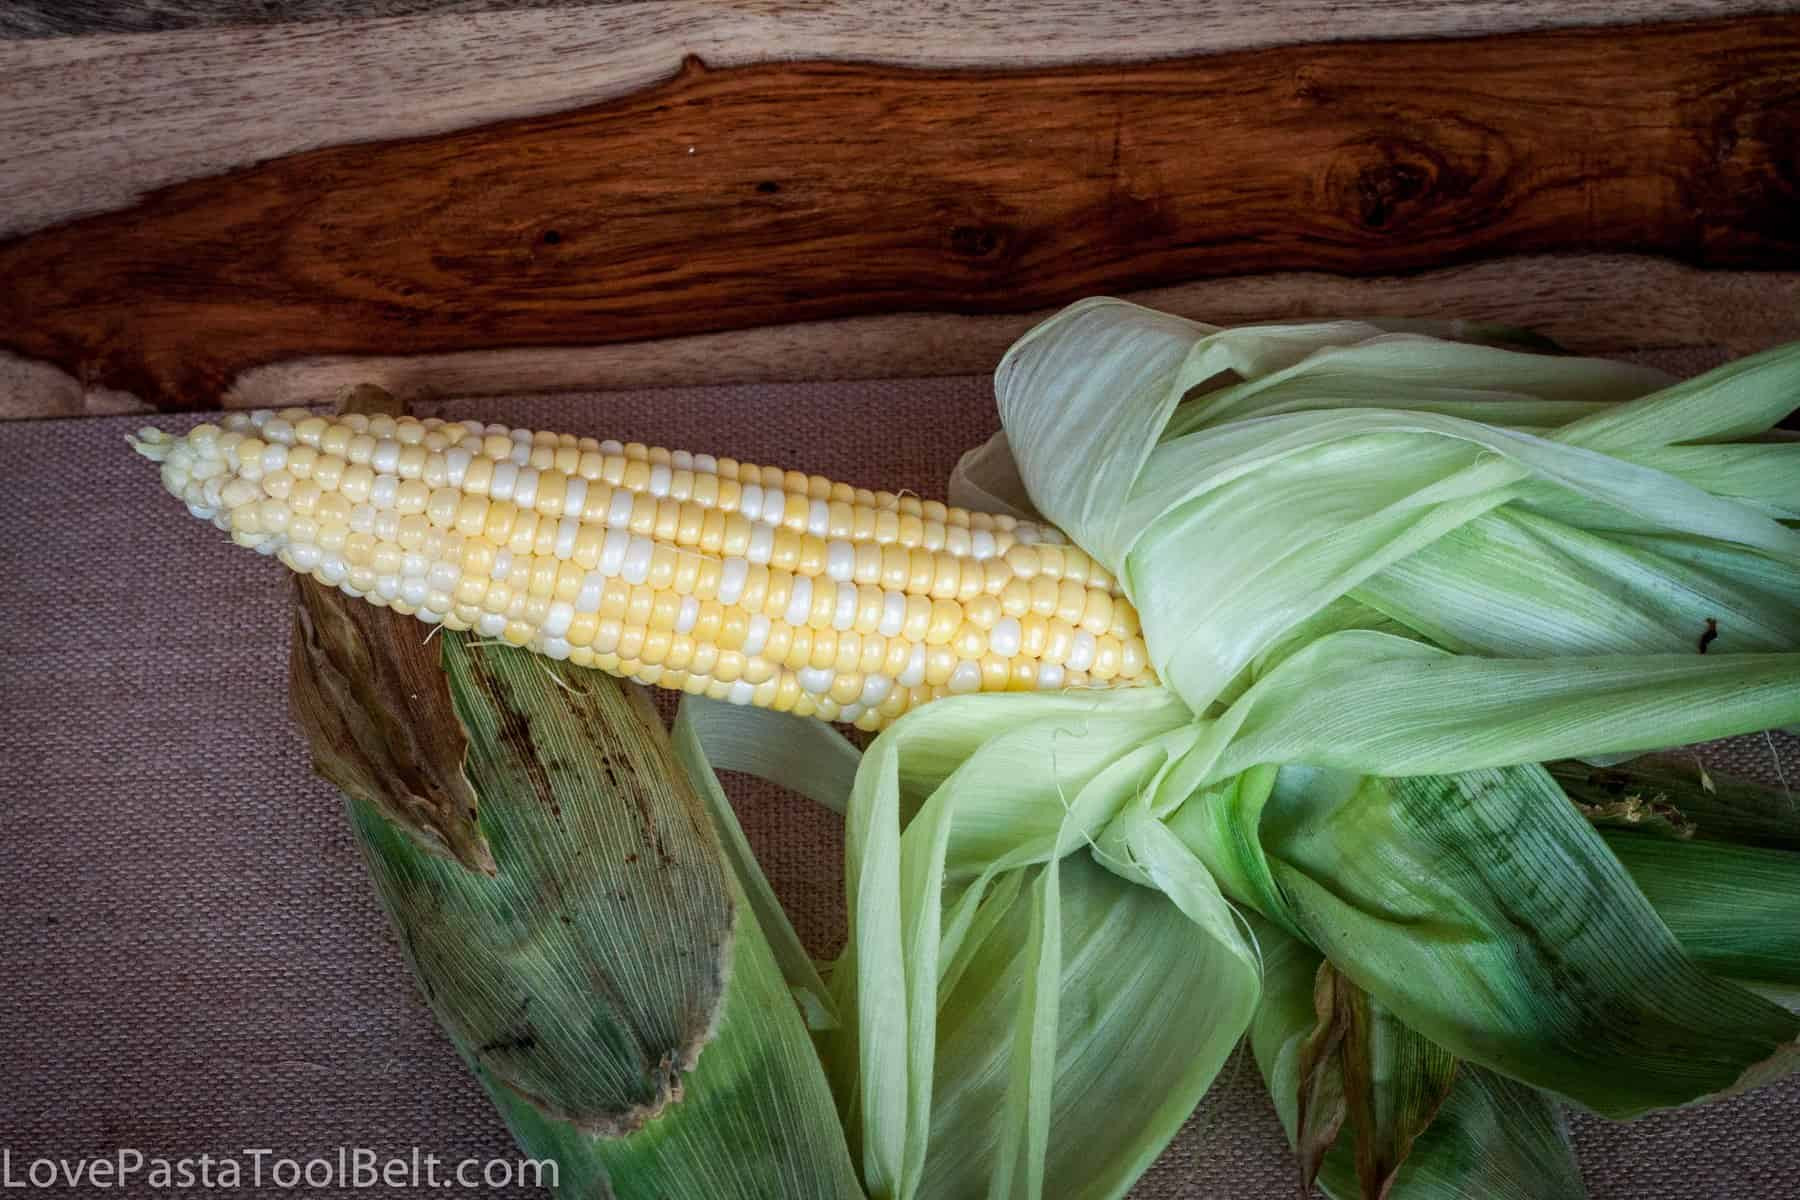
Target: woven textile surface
191 956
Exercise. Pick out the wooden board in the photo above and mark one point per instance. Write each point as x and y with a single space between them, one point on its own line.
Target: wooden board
733 199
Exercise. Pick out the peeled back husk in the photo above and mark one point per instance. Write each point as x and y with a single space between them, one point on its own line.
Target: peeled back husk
607 980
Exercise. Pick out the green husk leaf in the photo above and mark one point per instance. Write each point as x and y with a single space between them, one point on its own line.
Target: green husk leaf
1730 893
1489 916
610 977
944 933
588 972
1485 1138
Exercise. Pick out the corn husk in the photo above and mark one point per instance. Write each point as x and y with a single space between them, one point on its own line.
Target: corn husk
607 979
1376 1110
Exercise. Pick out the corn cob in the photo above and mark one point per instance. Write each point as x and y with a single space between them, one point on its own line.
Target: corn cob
745 583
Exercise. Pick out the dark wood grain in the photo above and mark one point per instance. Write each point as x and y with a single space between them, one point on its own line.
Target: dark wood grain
739 198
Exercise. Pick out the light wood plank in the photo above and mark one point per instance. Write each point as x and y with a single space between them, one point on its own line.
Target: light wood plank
89 124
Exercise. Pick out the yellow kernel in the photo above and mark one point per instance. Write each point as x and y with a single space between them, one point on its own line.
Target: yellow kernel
867 568
799 646
1106 658
736 541
784 552
969 642
631 641
568 581
996 672
479 477
940 661
917 620
664 609
662 566
517 632
846 688
824 648
707 622
946 619
413 496
498 527
588 542
411 463
1097 611
335 440
656 647
552 486
1071 599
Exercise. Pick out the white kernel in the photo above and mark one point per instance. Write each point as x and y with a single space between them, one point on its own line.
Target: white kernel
914 674
611 446
636 567
981 544
274 456
521 451
517 435
525 487
302 557
774 507
849 713
588 598
555 647
443 577
567 530
429 615
659 480
332 569
875 690
706 463
681 460
490 624
1004 637
731 580
557 618
893 616
575 498
762 545
388 587
750 501
414 565
500 487
456 465
688 614
818 518
817 680
386 457
840 560
384 491
612 551
1049 676
413 590
1081 651
276 430
741 692
503 563
966 677
845 614
618 511
756 636
799 601
362 518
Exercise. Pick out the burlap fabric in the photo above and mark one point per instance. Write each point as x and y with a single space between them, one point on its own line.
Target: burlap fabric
191 959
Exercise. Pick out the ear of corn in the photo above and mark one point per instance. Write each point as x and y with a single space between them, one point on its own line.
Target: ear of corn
743 583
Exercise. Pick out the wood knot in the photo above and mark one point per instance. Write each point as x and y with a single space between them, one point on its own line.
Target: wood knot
1382 183
975 241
